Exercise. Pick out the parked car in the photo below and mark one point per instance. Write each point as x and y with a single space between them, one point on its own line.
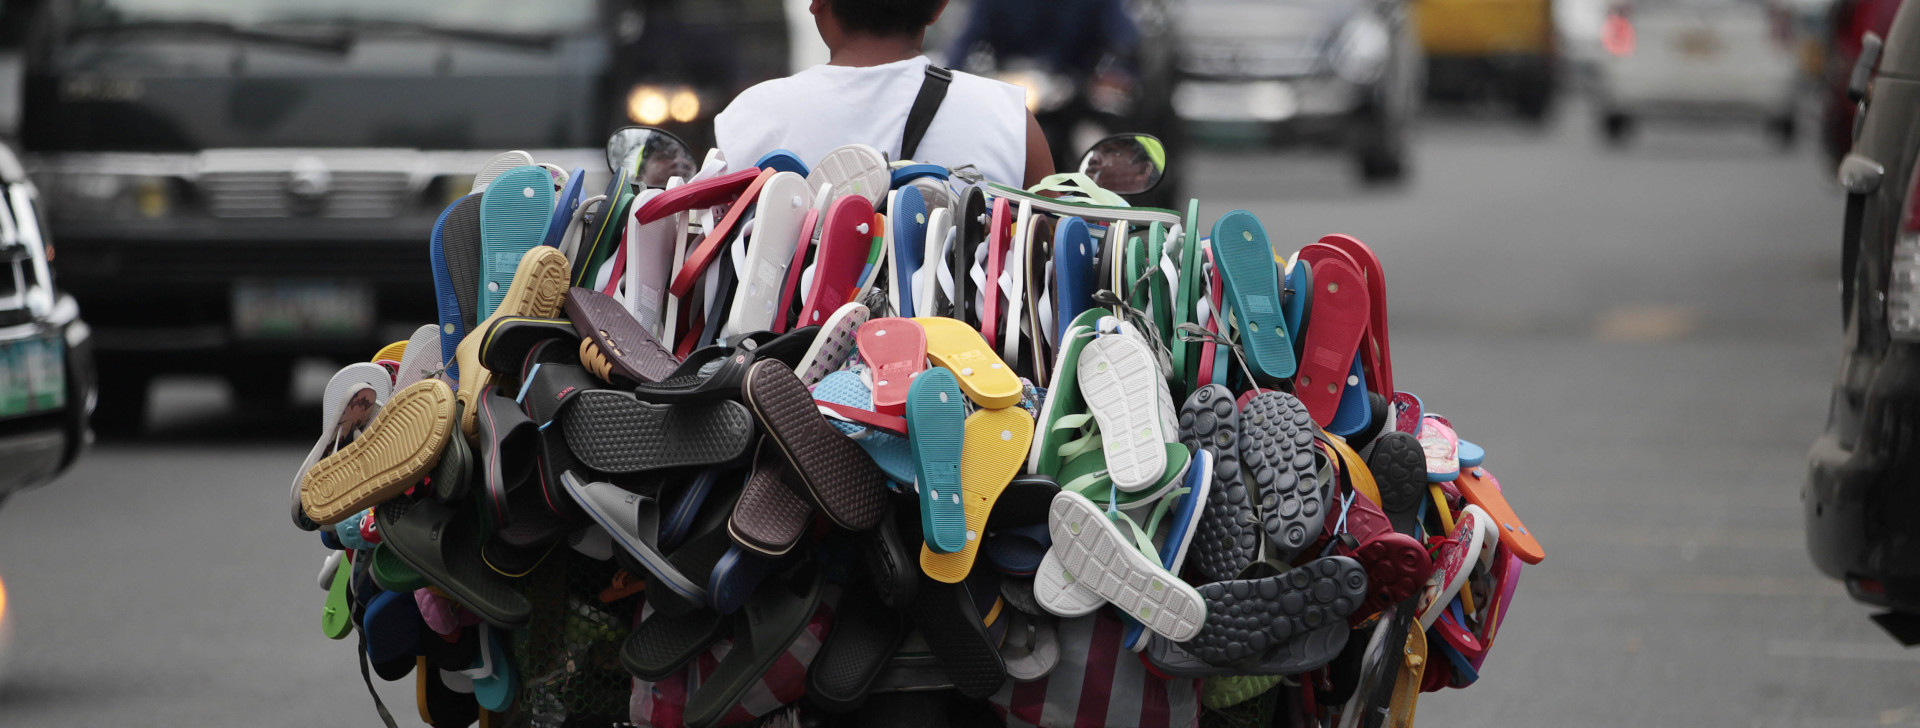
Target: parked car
47 381
1848 22
1337 73
1712 60
1503 48
1861 500
239 184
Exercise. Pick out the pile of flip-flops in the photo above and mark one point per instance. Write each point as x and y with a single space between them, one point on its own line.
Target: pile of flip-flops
783 437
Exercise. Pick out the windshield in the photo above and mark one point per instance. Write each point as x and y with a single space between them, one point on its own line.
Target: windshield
515 16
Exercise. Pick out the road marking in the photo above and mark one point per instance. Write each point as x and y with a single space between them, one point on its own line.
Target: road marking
1815 649
1646 323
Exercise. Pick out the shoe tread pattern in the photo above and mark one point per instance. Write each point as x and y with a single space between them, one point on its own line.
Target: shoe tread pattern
1280 618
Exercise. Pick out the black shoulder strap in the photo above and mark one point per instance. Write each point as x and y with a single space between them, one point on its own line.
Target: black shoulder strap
933 90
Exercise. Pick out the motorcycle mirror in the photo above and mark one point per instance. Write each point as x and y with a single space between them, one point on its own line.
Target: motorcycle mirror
649 156
1126 164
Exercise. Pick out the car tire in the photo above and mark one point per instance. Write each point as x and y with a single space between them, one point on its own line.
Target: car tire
122 411
264 383
1617 128
1533 92
1784 130
1382 165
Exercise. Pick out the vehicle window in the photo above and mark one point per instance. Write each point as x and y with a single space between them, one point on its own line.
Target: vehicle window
494 15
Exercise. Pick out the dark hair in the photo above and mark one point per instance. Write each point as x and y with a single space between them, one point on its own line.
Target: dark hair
885 17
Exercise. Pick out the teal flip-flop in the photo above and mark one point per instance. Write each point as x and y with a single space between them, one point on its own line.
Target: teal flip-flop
1245 258
936 421
514 215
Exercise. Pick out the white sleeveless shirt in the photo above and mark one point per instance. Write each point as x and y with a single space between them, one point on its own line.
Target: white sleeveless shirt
981 122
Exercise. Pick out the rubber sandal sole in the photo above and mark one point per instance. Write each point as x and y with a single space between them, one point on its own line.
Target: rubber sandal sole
1245 258
840 478
612 341
1227 538
865 635
937 418
661 644
1116 378
400 446
542 278
1479 488
983 376
1248 617
432 538
995 448
1093 549
614 432
770 516
1399 469
515 211
834 344
1276 453
777 219
895 350
952 626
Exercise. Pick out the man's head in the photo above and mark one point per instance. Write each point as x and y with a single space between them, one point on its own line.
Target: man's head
839 19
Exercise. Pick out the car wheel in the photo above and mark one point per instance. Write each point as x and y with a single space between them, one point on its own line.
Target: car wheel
1783 129
1382 165
262 383
1617 127
1533 92
122 411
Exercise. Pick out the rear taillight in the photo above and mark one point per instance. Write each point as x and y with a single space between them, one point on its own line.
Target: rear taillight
1616 34
1903 271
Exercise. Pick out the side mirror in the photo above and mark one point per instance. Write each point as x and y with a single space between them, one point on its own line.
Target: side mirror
649 156
1126 164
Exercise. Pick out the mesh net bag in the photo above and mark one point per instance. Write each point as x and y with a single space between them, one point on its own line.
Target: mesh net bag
568 655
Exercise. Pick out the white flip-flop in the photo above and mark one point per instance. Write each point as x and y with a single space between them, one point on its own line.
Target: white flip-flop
1059 591
1116 373
854 169
834 344
422 358
778 214
1092 549
333 404
498 165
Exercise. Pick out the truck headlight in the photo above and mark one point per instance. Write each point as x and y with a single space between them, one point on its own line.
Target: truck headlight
1361 49
95 195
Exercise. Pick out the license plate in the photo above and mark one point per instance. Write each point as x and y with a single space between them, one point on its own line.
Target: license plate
1254 101
33 376
298 309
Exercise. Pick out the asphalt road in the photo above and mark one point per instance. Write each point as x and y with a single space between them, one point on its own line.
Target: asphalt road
1642 340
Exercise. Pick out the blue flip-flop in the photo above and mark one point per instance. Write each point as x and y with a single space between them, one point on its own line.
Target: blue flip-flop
564 206
1298 307
496 687
1252 292
909 222
1355 413
908 173
737 574
781 160
514 215
1017 550
1471 455
392 624
680 518
1075 268
936 421
456 274
891 452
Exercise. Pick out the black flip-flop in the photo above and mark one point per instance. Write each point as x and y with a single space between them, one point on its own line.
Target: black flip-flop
443 546
1399 468
509 340
766 627
947 618
663 643
893 556
865 635
616 432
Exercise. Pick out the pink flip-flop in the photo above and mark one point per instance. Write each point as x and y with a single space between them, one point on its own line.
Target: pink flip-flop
895 350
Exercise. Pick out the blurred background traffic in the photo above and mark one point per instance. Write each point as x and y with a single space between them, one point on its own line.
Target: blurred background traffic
1610 227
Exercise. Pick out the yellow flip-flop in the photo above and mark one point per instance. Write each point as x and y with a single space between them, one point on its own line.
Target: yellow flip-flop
1406 687
1358 476
987 380
993 451
390 352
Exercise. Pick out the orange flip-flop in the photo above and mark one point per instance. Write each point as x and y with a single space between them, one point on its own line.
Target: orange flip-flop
1481 489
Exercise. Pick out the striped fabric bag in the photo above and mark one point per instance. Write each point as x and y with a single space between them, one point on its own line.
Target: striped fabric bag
1098 683
663 704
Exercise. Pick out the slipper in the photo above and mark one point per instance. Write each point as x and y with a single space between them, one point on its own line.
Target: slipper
456 272
972 225
336 616
498 165
330 566
392 627
1245 260
995 448
514 214
866 633
928 299
1187 293
895 351
771 515
937 418
693 562
834 344
846 238
847 403
1017 550
1379 416
507 342
633 520
1355 411
509 451
1451 564
1470 455
401 444
778 218
703 194
393 574
445 618
1399 469
840 478
739 573
421 359
1247 618
768 625
1442 448
1087 475
541 287
494 683
566 203
1059 592
1372 665
907 209
788 307
1182 517
1031 650
1276 453
999 238
1013 278
1039 327
445 549
650 249
612 341
947 618
1480 489
709 373
890 560
1297 309
984 377
1227 537
1105 561
396 668
352 398
1377 352
854 169
441 705
1116 373
1017 592
614 432
661 644
718 234
1025 502
1409 413
1396 564
782 160
1063 412
679 517
1339 323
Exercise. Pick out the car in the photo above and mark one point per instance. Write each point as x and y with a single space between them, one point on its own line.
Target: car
47 380
1504 48
1343 74
238 185
1703 60
1862 493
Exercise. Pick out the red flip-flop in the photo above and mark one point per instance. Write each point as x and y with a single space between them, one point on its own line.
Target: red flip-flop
1340 305
702 255
895 350
999 235
1377 355
794 269
710 192
845 241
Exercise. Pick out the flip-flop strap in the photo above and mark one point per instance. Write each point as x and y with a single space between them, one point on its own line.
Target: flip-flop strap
1163 507
378 705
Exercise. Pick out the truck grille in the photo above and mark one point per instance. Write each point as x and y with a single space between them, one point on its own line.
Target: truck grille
350 194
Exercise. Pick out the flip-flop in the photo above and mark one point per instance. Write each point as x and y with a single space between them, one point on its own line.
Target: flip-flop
778 218
782 160
565 204
392 627
1377 352
1106 562
771 516
834 344
612 341
699 195
1116 379
1339 323
499 165
937 417
1013 275
1037 334
846 237
495 683
1245 260
1471 455
908 212
999 238
1248 617
865 634
995 448
1277 455
854 169
895 350
649 265
514 214
1063 413
739 573
1298 307
1227 537
1024 502
769 624
972 225
1017 550
661 644
952 626
456 273
1396 564
1399 469
1355 412
847 403
890 559
840 478
983 376
336 615
444 547
1478 486
1442 448
1452 563
393 574
723 230
633 520
400 446
694 560
336 424
1187 293
1408 413
539 290
1183 517
617 433
1059 591
928 299
509 449
1031 650
421 358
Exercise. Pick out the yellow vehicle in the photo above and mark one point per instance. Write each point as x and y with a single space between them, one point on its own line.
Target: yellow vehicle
1500 47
